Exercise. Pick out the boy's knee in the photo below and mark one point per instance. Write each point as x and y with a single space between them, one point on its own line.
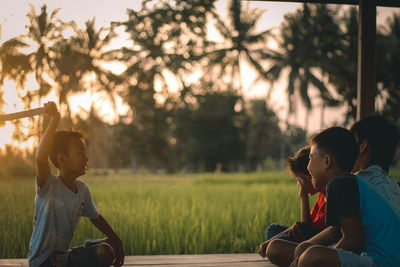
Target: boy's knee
273 251
302 247
105 254
313 256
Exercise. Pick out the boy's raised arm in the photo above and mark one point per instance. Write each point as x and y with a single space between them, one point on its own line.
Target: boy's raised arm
46 144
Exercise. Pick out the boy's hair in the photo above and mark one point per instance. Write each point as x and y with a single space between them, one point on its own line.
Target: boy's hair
339 143
61 142
382 137
298 163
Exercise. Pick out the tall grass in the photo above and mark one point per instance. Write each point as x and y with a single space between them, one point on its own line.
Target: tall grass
200 214
165 214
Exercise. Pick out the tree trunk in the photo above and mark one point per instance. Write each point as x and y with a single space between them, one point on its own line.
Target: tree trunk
306 119
322 122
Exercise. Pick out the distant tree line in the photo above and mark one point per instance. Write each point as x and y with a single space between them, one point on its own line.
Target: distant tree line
207 124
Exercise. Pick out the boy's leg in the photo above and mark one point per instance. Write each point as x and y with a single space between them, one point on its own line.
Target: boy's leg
280 252
93 253
330 257
275 229
303 246
53 260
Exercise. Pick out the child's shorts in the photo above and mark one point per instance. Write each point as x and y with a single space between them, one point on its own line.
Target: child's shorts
83 256
350 259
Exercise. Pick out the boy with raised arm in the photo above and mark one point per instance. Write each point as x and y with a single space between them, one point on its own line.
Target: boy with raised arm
60 202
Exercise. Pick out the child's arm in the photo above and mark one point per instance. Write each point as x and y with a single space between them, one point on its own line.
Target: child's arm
352 239
326 237
113 239
304 201
43 151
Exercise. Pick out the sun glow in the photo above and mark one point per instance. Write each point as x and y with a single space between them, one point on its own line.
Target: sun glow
80 105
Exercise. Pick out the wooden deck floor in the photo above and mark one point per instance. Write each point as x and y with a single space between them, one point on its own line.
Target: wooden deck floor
206 260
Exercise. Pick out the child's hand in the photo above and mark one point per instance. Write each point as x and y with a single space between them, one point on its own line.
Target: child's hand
116 244
50 108
262 250
303 188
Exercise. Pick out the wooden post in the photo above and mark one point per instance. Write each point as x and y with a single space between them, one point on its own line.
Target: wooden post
366 81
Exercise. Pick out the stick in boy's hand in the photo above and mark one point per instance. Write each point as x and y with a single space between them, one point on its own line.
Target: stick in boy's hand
22 114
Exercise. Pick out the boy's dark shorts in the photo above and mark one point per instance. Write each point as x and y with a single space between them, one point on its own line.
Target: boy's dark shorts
84 256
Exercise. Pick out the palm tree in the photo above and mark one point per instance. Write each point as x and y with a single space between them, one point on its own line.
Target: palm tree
343 68
79 58
14 64
305 47
43 31
241 43
167 37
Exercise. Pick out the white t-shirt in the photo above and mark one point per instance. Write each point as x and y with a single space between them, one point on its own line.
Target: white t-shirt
57 213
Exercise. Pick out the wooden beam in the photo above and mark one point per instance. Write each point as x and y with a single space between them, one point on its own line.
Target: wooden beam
386 3
366 83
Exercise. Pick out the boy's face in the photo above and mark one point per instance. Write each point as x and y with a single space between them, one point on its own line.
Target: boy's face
77 159
316 167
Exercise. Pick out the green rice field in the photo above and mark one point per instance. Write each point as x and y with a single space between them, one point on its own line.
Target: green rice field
165 214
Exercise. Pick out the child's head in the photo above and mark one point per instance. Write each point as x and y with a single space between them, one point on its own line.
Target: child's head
69 152
381 136
298 167
298 163
333 151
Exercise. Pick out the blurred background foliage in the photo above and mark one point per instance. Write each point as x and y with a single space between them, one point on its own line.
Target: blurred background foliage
206 124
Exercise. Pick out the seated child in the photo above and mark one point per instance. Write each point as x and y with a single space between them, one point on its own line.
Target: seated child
60 202
311 222
364 230
377 140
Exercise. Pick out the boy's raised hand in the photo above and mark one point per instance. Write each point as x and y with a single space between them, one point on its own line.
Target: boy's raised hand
50 108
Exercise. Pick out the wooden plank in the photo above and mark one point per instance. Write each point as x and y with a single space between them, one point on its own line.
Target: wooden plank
385 3
198 260
203 260
13 262
366 85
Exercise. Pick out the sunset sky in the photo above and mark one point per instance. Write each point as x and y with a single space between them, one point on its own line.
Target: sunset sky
13 20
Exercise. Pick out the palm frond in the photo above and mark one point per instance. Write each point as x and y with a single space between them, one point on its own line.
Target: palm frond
256 64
